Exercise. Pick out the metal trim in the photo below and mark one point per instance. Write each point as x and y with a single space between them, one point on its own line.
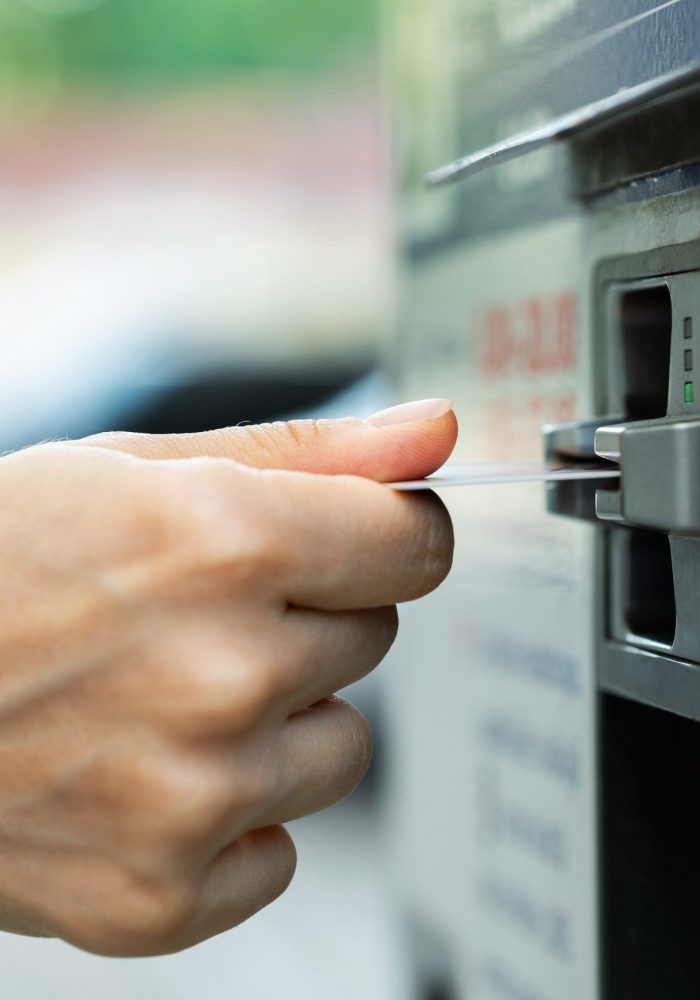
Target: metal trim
565 126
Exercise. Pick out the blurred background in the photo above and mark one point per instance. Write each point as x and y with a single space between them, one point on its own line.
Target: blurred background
194 206
195 231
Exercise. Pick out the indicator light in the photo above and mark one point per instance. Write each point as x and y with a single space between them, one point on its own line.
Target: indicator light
689 392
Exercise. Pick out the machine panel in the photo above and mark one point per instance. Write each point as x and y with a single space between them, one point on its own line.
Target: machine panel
534 297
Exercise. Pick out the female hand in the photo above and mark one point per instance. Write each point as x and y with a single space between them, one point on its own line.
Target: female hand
176 614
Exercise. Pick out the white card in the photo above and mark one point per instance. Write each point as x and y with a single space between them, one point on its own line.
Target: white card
475 474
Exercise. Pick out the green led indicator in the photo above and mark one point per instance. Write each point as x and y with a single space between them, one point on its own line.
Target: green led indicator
689 392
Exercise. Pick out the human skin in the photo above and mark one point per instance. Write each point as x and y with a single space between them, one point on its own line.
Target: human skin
176 615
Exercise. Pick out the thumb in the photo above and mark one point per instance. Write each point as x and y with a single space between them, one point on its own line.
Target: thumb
405 442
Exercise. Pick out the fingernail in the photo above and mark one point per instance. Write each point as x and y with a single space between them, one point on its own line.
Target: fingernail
406 413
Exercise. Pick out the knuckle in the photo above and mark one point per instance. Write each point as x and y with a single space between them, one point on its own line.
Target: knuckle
154 531
118 440
150 805
188 801
268 438
181 531
188 500
251 691
198 810
166 815
259 686
152 917
229 795
154 799
156 786
232 699
243 548
252 788
207 682
258 439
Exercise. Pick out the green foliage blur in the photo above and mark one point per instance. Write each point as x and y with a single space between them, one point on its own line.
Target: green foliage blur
141 42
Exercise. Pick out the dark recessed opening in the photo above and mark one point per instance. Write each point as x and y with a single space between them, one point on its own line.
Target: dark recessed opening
646 318
431 961
650 831
438 990
650 610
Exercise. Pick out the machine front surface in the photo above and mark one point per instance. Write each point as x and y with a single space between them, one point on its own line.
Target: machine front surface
559 286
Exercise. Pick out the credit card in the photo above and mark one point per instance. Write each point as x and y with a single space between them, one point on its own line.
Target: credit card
483 474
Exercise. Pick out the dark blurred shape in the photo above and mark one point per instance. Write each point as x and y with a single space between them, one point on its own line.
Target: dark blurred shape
213 400
650 832
431 962
646 323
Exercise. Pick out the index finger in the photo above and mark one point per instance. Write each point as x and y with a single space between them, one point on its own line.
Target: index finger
350 543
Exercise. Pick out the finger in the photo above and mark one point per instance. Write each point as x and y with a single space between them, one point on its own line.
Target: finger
329 651
211 681
406 442
244 878
350 544
131 915
323 754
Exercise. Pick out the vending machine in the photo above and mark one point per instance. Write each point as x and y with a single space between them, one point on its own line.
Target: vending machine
544 708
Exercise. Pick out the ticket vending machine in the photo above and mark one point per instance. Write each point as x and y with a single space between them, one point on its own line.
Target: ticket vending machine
545 705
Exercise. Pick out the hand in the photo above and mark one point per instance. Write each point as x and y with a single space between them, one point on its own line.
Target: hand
175 616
